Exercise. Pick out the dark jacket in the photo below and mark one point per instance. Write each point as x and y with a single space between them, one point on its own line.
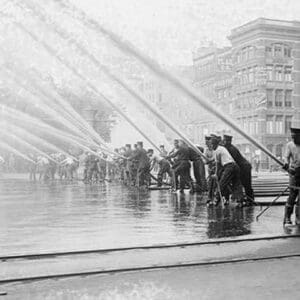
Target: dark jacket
141 156
237 156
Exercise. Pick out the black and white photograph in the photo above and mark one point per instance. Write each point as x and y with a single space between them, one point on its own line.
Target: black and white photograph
149 149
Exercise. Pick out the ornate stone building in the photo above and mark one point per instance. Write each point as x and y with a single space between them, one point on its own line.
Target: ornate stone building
256 81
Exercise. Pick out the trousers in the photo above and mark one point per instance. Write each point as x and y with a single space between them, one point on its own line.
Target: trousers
246 180
199 174
164 168
231 177
182 168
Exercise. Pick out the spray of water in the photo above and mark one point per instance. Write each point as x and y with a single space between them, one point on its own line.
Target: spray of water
24 143
24 118
83 51
35 139
11 149
28 120
53 53
128 48
41 105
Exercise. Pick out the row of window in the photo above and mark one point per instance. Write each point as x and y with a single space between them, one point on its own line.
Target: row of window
223 93
249 124
279 73
278 50
226 82
279 98
274 50
245 54
272 73
245 102
247 75
278 124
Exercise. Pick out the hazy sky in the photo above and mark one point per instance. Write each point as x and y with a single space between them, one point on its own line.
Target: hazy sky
170 29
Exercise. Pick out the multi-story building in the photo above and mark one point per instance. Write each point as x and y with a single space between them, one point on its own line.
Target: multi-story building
256 82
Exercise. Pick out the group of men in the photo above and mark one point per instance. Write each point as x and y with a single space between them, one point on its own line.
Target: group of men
221 161
46 167
215 169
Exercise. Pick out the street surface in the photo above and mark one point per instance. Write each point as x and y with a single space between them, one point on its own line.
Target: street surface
70 216
60 216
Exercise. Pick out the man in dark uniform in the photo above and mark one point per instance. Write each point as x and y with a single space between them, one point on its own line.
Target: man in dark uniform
182 166
292 164
245 168
198 169
143 170
172 161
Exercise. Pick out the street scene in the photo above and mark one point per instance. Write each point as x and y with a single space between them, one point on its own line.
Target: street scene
149 149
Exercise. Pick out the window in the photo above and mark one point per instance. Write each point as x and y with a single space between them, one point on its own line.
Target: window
287 51
269 70
244 54
251 52
288 98
269 51
288 73
278 98
278 73
245 124
245 76
238 77
269 98
279 124
279 151
251 75
251 126
255 125
270 124
278 51
288 123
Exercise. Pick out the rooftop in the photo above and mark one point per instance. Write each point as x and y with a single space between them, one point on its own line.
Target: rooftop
264 21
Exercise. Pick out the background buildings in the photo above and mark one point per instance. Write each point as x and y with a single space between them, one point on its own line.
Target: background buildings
256 81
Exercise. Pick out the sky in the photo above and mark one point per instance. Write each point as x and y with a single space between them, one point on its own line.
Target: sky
169 30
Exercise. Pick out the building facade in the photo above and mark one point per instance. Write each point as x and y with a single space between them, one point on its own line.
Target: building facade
256 82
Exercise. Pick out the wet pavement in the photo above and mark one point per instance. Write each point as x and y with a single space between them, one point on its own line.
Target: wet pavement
60 216
272 279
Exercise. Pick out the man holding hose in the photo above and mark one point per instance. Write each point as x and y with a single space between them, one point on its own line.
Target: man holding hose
292 164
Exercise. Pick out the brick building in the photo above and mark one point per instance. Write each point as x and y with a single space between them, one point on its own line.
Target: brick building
256 81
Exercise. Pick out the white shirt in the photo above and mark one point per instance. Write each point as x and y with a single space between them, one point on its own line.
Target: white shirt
156 158
68 161
222 156
292 154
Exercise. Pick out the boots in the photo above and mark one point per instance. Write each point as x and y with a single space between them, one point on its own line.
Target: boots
297 214
287 215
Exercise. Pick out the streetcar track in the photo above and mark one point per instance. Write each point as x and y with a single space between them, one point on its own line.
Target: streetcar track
145 268
163 246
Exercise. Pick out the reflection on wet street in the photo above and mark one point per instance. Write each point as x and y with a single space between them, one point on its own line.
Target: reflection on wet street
60 216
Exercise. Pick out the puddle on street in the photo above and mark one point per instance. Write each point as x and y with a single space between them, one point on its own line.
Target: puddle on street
60 216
